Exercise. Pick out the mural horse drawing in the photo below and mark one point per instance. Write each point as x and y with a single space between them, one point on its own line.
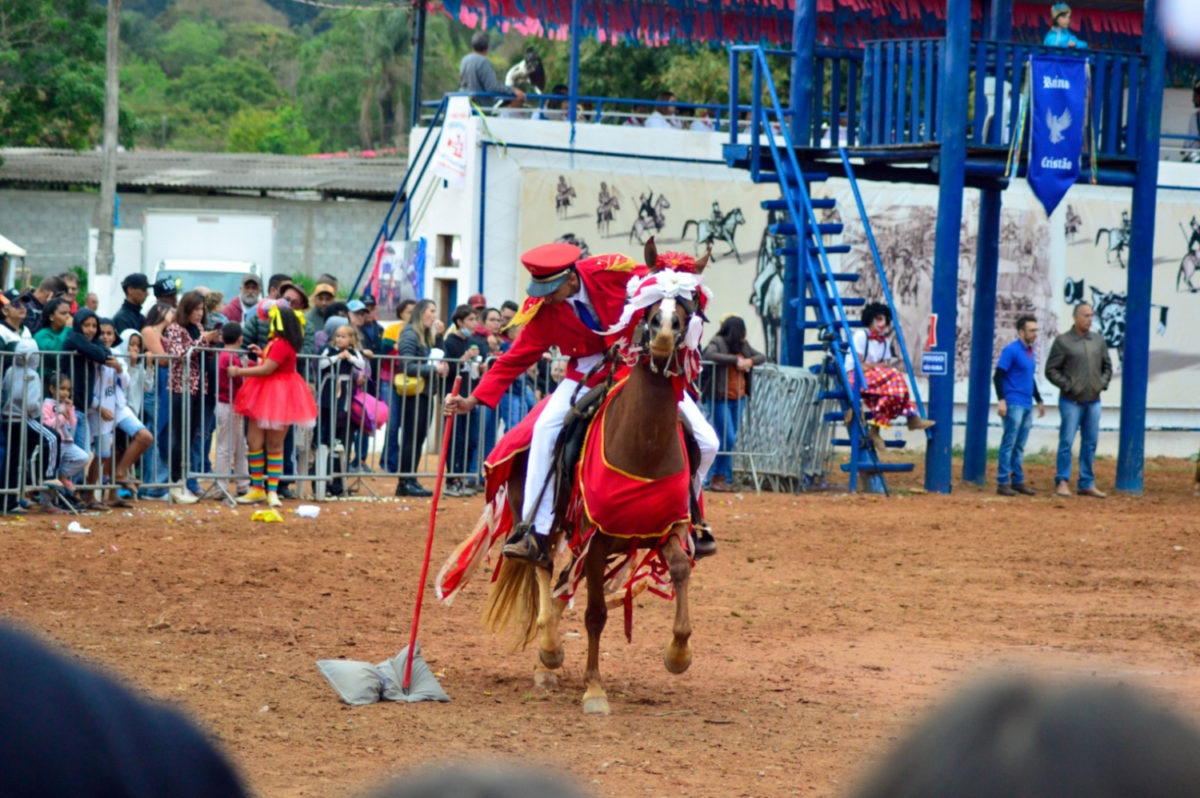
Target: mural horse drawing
1186 279
1118 239
767 296
650 217
607 206
563 194
709 232
627 512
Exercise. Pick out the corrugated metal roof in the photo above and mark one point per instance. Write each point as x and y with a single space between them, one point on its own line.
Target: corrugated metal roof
355 176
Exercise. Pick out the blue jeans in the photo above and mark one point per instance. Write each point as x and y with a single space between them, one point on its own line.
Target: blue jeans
514 406
1017 423
391 446
726 415
1085 418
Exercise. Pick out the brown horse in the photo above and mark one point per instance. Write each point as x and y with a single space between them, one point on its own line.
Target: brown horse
640 429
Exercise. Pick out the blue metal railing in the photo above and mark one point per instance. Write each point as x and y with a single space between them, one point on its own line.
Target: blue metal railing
601 110
404 192
900 87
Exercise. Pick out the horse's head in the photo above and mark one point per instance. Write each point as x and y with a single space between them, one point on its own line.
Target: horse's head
671 298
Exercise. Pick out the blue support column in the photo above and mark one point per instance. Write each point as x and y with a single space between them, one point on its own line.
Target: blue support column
418 63
987 266
573 78
983 333
804 43
1135 366
791 327
951 175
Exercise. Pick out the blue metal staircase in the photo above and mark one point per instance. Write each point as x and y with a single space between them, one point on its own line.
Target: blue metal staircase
400 211
817 303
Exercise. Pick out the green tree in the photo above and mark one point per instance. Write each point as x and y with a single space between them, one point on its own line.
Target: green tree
51 72
360 69
276 49
190 43
281 132
221 89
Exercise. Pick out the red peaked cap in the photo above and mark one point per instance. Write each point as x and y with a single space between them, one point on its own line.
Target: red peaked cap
549 266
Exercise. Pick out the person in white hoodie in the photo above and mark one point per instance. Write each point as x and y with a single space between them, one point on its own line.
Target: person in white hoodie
33 450
113 388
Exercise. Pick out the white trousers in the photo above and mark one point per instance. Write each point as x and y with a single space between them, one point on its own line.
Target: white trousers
538 504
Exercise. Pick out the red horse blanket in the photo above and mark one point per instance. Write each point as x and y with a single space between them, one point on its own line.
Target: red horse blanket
621 504
604 497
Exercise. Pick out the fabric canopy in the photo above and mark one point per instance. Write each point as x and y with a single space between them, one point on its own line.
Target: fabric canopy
839 22
9 248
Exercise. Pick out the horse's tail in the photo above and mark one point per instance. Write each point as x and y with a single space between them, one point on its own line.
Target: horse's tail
686 225
513 601
1102 231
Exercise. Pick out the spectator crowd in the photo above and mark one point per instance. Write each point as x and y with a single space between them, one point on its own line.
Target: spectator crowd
99 408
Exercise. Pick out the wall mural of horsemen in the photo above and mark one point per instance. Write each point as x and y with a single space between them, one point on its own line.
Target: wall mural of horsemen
1085 244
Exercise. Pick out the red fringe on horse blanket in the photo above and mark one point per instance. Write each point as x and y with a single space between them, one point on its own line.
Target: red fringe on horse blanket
606 498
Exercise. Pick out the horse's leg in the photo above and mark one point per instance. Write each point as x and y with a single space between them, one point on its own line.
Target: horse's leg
595 700
679 652
550 648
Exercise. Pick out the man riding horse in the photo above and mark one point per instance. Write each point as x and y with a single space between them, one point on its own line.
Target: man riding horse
575 304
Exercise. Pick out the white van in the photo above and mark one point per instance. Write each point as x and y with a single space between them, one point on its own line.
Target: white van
217 275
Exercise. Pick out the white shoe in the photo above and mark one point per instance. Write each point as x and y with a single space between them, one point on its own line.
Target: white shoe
182 496
273 499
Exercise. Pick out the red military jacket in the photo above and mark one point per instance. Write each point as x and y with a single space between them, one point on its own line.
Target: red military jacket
604 277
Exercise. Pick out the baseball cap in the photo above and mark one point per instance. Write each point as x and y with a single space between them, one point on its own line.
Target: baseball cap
136 280
324 288
165 287
251 278
355 305
477 301
368 299
549 266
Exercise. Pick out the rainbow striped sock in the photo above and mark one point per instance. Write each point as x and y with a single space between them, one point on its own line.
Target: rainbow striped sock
274 470
255 459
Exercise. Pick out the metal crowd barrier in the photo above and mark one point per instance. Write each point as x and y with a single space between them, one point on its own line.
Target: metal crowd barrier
781 439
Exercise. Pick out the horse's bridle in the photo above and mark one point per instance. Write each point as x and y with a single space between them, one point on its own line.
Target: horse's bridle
673 366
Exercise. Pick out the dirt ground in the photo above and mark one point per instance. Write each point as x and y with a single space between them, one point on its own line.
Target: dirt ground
824 627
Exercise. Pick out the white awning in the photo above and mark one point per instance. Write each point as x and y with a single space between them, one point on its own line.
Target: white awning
9 248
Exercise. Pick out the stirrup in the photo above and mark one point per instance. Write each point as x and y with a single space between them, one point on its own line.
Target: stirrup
529 547
703 542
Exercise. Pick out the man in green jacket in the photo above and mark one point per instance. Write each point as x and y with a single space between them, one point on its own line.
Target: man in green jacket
1079 366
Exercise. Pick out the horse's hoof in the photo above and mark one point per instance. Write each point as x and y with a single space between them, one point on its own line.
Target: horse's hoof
678 660
551 659
547 680
596 705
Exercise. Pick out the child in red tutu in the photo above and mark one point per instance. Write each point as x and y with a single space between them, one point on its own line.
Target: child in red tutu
273 397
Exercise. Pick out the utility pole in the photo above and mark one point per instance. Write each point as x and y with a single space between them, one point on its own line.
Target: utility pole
108 173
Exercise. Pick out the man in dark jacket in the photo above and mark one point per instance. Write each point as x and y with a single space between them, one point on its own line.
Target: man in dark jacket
1080 368
130 317
35 300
